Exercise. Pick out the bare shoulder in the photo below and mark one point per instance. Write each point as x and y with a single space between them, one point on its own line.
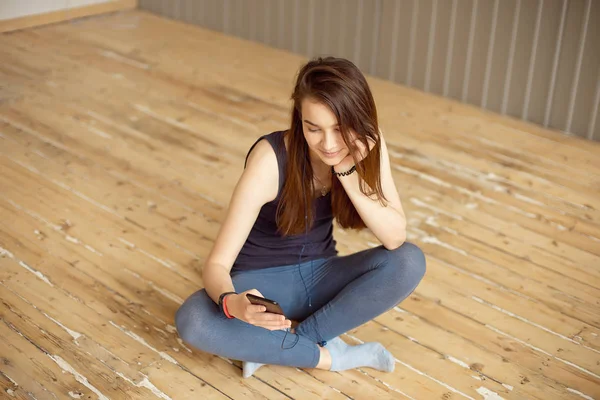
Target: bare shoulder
262 171
257 185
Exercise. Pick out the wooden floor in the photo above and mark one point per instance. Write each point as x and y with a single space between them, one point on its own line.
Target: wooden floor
121 139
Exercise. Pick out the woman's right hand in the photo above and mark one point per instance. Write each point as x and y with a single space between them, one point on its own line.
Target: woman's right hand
240 307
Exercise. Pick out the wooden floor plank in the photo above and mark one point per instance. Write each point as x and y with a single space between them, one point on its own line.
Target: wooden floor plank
13 152
486 346
530 308
45 167
229 49
135 348
66 349
40 368
478 216
146 298
71 207
119 150
588 233
12 389
552 189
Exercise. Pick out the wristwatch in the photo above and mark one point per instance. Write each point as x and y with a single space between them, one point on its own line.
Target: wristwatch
221 298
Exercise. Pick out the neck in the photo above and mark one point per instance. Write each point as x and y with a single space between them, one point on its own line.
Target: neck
318 166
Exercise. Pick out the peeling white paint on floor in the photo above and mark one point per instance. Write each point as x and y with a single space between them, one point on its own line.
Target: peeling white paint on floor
127 243
75 335
434 240
183 345
143 342
36 273
578 393
420 372
71 239
90 248
422 175
145 383
123 59
529 200
543 351
10 379
78 377
495 307
158 260
422 204
98 132
83 196
487 394
6 253
434 379
166 293
458 362
385 384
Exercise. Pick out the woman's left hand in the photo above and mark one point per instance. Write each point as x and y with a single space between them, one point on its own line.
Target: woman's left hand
361 152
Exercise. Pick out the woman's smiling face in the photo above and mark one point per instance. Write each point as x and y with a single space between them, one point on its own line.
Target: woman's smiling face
322 133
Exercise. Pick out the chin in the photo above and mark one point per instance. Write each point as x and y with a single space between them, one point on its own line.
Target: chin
331 161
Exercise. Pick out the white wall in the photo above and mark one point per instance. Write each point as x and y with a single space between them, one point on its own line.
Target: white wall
10 9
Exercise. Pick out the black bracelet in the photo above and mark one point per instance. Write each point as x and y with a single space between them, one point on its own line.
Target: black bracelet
351 170
221 297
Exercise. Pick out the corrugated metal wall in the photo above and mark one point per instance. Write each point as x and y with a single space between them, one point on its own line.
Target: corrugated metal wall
538 60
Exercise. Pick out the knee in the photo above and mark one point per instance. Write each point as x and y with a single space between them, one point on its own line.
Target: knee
190 321
408 259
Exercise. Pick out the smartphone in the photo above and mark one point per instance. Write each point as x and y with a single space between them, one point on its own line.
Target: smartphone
271 305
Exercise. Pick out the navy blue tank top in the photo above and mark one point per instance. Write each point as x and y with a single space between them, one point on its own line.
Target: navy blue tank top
265 247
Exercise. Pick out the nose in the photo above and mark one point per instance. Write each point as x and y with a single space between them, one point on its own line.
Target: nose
329 142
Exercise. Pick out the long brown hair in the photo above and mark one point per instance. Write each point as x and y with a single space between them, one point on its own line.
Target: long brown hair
338 84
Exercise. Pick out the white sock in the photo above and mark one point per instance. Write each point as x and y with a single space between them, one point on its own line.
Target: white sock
249 368
344 356
372 355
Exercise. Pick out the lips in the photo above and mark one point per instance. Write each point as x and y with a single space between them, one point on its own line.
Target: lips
329 155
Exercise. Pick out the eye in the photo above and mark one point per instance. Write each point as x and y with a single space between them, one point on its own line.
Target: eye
314 130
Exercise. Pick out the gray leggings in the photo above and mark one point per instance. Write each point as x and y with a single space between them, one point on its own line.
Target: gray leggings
330 296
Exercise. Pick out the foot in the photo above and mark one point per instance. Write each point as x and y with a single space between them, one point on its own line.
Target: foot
372 355
249 368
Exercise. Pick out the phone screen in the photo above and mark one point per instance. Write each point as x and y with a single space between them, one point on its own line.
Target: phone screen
271 305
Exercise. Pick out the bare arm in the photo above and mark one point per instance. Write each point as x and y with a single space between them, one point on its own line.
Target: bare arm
388 224
257 186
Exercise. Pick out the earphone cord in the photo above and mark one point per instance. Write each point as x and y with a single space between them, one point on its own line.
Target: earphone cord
305 235
300 257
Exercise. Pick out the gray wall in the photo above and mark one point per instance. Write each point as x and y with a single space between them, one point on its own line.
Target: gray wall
538 60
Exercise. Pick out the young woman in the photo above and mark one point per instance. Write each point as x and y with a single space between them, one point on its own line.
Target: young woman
276 241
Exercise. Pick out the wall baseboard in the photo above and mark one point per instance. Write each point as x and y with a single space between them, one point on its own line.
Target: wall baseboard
65 15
